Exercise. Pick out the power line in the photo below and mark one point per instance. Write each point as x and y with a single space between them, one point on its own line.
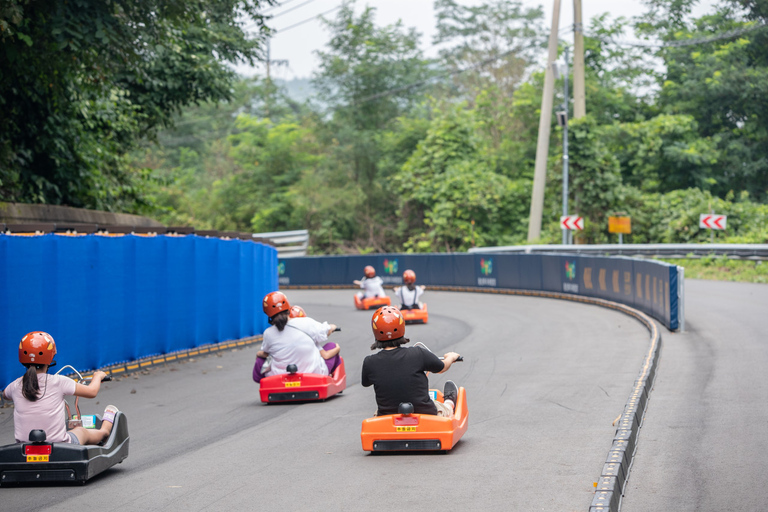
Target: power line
684 42
248 27
291 9
289 27
445 74
277 6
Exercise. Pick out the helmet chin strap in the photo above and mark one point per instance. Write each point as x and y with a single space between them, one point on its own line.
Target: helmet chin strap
52 364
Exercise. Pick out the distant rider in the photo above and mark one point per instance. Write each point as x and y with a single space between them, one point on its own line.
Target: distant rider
371 284
410 293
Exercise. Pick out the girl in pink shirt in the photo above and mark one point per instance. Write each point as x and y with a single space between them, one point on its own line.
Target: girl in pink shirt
39 398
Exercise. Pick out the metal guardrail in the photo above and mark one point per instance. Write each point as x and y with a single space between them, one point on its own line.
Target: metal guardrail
736 251
289 244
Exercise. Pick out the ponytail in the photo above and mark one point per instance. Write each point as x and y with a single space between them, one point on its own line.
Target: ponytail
30 387
280 320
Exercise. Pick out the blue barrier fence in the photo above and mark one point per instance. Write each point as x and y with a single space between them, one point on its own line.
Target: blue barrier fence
650 286
112 299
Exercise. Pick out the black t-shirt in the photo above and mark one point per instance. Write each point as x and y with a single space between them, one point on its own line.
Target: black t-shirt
398 376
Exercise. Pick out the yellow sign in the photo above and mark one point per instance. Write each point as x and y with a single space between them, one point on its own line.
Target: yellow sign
295 384
37 458
620 225
406 429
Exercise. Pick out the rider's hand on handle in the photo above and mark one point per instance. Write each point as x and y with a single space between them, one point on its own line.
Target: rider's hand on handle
98 374
448 359
452 356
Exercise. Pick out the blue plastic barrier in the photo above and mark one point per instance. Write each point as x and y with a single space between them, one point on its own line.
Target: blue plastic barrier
648 285
112 299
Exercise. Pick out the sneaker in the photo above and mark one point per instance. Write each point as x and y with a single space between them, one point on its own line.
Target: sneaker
109 414
450 391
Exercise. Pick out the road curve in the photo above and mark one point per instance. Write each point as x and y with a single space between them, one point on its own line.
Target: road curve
544 378
703 445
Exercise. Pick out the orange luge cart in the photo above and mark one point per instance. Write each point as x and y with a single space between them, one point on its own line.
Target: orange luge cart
371 302
416 316
416 432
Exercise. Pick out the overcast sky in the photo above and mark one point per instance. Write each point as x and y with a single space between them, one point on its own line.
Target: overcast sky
297 44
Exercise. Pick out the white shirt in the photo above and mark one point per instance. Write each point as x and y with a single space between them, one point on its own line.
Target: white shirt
409 297
46 413
372 287
299 343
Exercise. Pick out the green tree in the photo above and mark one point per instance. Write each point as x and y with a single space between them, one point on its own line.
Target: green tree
451 197
721 82
596 188
498 41
83 80
363 79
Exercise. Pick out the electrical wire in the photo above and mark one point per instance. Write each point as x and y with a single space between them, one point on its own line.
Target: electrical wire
291 9
252 25
289 27
277 6
683 42
445 74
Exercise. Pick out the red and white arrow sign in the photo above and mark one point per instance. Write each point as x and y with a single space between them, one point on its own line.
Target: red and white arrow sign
571 222
712 221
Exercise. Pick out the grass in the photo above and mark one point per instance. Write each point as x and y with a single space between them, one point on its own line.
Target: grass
723 269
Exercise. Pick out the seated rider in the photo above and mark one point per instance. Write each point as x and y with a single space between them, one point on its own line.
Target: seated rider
299 340
397 373
410 293
38 398
371 284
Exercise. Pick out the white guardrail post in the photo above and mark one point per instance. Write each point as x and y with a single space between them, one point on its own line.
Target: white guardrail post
289 244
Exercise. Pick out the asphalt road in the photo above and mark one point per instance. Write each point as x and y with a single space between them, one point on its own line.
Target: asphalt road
544 379
704 442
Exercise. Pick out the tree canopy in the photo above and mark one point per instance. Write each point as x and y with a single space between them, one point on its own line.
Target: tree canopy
84 80
394 151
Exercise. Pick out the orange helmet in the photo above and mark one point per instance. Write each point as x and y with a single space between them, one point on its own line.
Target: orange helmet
370 271
388 324
37 348
297 312
409 276
274 303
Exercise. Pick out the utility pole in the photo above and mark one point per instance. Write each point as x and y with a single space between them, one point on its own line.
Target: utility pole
565 140
579 93
545 121
269 81
281 62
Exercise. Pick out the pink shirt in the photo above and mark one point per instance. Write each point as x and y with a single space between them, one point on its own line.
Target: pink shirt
47 413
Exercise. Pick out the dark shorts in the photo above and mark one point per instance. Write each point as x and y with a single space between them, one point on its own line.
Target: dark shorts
73 437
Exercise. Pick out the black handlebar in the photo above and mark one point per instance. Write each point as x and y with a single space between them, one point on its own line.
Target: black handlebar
338 329
88 381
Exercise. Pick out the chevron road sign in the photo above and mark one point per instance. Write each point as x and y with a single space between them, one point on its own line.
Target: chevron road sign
712 221
571 222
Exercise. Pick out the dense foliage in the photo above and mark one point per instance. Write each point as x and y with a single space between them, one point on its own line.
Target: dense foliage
83 80
395 151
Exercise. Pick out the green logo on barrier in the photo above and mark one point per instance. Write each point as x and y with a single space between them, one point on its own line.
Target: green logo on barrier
281 268
570 269
390 266
486 266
